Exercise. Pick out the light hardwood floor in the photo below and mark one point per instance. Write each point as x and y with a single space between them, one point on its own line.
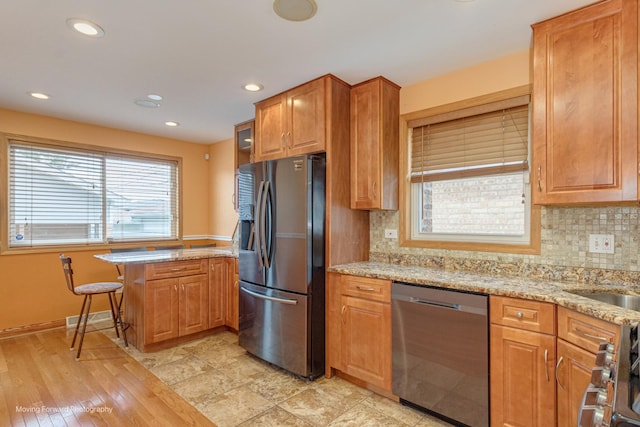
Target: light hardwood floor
41 384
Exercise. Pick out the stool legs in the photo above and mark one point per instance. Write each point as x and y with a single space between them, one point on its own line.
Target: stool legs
84 317
87 298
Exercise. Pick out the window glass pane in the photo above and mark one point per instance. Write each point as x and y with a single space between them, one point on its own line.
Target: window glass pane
55 197
63 195
141 198
484 205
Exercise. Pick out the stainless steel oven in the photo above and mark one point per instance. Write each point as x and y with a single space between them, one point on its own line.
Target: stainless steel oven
613 397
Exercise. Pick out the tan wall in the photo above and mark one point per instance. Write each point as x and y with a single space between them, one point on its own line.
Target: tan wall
224 218
492 76
32 287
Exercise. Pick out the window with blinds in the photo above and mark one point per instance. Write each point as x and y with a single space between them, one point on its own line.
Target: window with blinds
484 143
63 196
469 174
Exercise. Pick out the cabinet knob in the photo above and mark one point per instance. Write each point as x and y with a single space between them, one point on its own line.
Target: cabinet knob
519 315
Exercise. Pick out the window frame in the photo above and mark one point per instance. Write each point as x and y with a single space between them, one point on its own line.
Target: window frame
406 196
5 139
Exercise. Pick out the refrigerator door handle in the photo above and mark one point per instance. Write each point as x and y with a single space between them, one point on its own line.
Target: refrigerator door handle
257 221
267 207
268 298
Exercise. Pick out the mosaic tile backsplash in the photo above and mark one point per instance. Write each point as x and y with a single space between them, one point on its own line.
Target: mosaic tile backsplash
564 247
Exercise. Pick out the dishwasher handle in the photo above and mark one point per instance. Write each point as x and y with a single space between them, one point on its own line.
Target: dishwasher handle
435 303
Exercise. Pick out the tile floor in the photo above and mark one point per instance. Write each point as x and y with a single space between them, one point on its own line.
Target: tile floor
233 388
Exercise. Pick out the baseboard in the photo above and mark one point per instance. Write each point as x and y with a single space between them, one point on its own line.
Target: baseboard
28 329
95 317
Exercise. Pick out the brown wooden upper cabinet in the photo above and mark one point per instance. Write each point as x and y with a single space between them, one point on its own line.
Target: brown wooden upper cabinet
243 137
585 105
375 113
292 123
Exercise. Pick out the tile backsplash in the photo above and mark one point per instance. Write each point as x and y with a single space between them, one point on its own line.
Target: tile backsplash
564 245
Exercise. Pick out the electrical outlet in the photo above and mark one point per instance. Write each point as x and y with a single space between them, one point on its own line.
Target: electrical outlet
390 233
601 243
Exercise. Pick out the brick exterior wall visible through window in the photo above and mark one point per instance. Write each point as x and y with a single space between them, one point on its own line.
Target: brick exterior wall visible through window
492 205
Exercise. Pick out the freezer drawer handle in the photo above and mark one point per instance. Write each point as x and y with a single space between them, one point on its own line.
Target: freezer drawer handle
435 303
274 299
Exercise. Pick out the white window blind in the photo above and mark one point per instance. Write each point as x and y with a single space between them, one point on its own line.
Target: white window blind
482 141
71 196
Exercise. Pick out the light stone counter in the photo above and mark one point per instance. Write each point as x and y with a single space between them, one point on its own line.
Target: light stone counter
517 287
167 255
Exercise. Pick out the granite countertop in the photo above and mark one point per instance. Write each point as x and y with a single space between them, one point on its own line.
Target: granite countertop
517 287
167 255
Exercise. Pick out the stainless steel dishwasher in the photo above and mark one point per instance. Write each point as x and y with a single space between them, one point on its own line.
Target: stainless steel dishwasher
441 352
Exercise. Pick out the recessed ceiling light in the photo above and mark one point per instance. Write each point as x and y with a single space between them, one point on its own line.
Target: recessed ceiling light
85 27
295 10
253 87
154 97
172 124
39 95
147 103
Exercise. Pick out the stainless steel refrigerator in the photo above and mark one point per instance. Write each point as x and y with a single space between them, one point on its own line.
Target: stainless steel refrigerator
281 262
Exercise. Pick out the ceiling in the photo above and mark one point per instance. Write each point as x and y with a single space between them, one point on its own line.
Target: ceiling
198 54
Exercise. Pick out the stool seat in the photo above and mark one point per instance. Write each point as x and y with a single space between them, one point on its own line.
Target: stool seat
98 288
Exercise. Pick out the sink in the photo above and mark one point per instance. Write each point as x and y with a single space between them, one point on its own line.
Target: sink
618 299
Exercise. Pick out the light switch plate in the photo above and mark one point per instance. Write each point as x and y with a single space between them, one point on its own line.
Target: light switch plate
601 243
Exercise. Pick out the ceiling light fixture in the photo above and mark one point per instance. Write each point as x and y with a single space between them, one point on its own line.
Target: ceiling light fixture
172 124
85 27
39 95
253 87
295 10
154 97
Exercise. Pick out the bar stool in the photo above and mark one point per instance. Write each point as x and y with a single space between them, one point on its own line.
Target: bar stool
88 291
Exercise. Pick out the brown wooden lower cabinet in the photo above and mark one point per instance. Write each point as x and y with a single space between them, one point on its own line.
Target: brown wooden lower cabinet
522 360
522 377
359 329
579 338
177 307
573 376
218 278
232 299
169 300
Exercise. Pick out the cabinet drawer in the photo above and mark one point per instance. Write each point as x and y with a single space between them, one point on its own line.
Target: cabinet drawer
585 331
165 270
364 287
533 316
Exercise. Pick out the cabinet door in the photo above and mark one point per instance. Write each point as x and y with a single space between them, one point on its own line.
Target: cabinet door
306 118
365 146
375 111
218 278
585 145
366 340
232 298
194 304
161 310
573 376
270 128
522 378
243 142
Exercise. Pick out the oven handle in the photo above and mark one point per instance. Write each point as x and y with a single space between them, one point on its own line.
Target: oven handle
266 297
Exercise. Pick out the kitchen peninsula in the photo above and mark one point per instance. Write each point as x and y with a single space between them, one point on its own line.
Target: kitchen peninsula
172 296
